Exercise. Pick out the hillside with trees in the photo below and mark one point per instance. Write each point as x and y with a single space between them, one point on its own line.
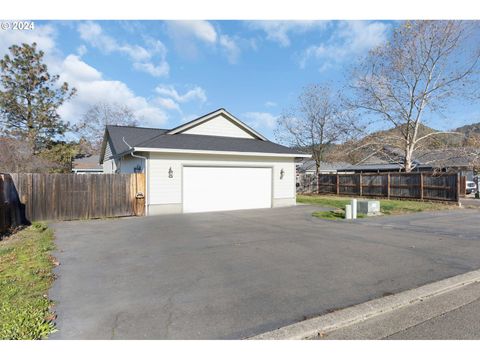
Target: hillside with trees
469 130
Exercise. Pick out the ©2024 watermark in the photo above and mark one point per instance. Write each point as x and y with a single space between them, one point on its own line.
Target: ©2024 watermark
17 25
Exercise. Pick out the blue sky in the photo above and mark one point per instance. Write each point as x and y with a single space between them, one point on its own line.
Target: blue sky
170 72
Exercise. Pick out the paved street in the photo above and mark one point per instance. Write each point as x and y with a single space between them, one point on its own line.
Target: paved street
470 202
454 315
232 275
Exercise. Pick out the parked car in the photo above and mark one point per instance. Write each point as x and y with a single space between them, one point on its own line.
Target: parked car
470 187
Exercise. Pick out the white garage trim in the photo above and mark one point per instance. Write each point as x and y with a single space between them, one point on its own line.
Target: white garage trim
255 188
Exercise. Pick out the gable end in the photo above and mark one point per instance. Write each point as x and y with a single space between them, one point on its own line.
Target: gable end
218 123
219 126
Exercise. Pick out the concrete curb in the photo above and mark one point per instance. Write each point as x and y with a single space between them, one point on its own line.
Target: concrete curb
313 327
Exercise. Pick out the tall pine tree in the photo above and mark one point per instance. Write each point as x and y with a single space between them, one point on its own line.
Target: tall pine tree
30 97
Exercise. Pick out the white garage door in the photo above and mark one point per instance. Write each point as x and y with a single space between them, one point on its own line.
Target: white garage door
226 188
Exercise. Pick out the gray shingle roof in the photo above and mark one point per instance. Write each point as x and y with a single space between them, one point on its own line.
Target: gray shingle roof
454 157
133 136
88 162
424 160
215 143
157 138
372 167
324 166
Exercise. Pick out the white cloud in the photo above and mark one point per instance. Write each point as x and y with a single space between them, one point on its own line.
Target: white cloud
168 104
154 70
363 35
199 29
169 91
230 48
82 50
279 31
44 36
186 34
260 119
270 104
151 60
92 87
170 98
74 69
89 82
350 38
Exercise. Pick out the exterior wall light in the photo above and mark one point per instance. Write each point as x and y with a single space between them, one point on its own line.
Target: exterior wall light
282 173
137 169
170 173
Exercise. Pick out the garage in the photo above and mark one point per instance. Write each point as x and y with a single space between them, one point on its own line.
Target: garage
215 188
213 163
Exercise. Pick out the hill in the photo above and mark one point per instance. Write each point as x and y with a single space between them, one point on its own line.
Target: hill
386 148
469 130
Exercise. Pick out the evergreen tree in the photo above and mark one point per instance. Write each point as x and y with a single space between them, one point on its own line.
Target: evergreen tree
30 97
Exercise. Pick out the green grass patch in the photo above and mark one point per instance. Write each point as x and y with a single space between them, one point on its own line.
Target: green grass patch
328 201
25 277
336 214
387 207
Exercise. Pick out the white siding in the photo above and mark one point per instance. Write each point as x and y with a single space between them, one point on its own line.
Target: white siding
219 126
109 166
165 190
125 165
108 151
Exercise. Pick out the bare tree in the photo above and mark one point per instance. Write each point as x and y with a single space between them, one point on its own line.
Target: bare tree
93 122
18 156
413 77
315 123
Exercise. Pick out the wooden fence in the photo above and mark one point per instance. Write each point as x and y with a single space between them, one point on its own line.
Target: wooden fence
423 186
33 197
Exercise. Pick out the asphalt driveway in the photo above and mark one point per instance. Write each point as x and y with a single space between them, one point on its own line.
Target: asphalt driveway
232 275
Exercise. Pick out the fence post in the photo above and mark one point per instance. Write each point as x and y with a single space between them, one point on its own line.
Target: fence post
338 185
3 217
388 185
457 185
360 184
421 186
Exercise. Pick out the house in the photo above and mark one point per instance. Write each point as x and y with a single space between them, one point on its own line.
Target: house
215 162
308 167
87 165
459 160
306 179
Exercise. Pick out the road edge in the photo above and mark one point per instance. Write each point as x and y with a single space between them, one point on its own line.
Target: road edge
313 327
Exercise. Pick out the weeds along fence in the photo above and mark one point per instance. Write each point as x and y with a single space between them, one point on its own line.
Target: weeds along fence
35 197
422 186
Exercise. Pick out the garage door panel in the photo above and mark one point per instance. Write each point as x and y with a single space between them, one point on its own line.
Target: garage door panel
226 188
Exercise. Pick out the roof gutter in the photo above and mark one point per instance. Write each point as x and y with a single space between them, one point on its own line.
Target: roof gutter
131 151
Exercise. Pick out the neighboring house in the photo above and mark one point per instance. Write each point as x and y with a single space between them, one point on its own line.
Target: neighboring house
215 162
308 167
306 179
445 160
378 167
87 165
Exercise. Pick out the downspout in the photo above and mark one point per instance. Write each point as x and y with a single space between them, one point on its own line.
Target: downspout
132 150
